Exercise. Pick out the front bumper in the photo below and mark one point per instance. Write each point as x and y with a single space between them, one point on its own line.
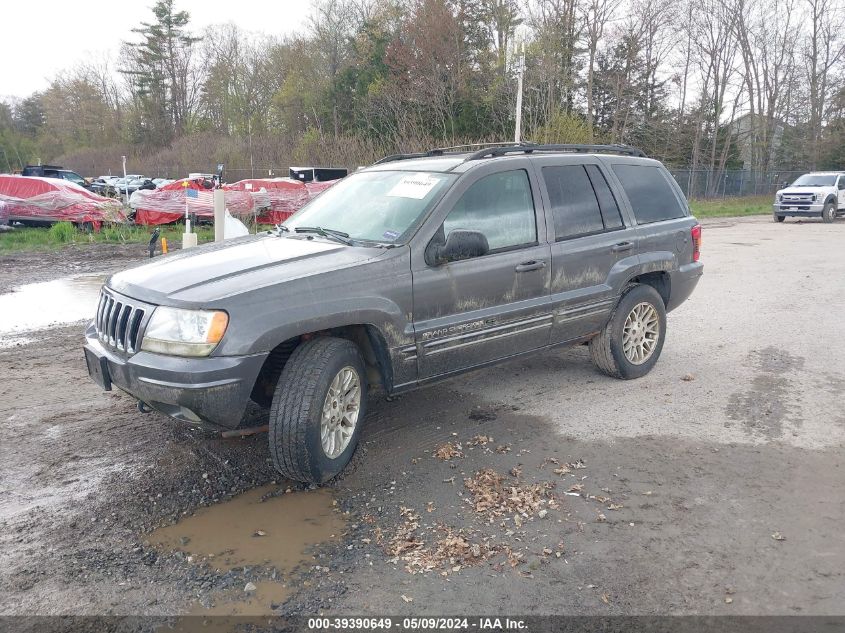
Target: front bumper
813 210
214 390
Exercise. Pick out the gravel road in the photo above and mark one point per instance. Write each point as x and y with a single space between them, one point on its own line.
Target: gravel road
711 486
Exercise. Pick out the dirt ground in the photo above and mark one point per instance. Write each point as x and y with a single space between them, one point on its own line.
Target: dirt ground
714 485
27 267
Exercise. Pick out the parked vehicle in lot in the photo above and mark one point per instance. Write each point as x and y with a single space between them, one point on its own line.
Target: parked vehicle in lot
104 186
55 171
818 194
417 268
130 184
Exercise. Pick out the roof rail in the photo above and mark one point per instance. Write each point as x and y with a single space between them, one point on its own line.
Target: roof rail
482 145
394 157
491 150
528 148
454 149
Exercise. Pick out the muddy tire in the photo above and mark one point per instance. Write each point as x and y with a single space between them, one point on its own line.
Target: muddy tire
829 212
317 411
778 218
631 342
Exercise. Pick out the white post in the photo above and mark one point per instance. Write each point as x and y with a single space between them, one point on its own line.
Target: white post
188 239
520 71
126 184
219 214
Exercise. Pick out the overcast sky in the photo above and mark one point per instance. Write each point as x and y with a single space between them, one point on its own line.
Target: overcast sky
39 39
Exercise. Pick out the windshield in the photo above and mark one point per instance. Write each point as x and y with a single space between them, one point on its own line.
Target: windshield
378 206
815 180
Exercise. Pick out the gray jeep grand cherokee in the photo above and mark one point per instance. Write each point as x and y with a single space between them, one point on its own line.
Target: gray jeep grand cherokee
415 269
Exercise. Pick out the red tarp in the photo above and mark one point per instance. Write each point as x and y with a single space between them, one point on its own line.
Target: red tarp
167 204
276 198
55 200
272 200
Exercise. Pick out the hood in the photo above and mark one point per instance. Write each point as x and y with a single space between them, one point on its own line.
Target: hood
215 271
803 191
793 188
801 188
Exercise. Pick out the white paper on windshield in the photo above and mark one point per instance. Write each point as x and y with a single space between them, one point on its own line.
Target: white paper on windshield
416 186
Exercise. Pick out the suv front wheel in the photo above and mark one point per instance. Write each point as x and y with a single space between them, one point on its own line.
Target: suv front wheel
317 410
631 342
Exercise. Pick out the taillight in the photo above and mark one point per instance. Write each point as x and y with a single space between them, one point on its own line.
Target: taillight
695 232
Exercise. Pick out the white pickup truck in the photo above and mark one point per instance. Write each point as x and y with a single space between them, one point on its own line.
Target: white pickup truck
818 194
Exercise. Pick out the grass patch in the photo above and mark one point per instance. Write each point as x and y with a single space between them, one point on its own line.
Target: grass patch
63 234
726 207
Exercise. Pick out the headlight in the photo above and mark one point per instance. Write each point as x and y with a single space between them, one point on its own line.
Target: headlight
780 197
184 332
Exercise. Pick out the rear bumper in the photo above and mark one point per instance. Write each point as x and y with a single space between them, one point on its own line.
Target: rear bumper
214 390
682 282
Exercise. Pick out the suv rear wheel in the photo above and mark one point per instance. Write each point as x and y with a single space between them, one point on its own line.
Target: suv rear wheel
318 406
829 212
631 342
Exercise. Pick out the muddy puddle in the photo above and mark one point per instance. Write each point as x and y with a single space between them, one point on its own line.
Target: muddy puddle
264 529
37 306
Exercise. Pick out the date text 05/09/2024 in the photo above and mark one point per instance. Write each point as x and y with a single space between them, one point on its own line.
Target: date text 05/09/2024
418 624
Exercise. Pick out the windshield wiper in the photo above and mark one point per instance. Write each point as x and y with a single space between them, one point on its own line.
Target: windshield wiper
338 236
279 229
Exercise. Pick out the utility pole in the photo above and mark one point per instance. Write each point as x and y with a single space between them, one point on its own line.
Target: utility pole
520 72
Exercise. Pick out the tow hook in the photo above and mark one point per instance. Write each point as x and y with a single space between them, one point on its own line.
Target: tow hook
143 407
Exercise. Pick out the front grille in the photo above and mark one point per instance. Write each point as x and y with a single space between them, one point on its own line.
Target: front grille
797 198
119 322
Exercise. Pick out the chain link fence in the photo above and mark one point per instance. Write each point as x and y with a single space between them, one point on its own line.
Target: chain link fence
695 183
706 183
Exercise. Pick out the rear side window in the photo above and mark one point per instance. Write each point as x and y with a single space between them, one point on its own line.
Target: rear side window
607 202
501 207
582 203
651 195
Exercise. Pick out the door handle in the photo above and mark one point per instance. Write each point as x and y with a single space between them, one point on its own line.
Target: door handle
524 267
621 247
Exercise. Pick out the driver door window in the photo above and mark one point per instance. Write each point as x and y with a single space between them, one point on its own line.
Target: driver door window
501 207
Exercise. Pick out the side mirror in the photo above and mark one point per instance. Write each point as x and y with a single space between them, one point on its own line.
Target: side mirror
461 244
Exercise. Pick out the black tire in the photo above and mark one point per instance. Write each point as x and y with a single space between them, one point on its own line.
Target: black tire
606 348
829 212
296 411
778 218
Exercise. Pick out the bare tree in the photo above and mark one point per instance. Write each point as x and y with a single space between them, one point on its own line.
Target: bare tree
823 49
596 14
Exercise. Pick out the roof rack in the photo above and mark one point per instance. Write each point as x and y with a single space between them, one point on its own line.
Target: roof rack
454 149
492 150
528 148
